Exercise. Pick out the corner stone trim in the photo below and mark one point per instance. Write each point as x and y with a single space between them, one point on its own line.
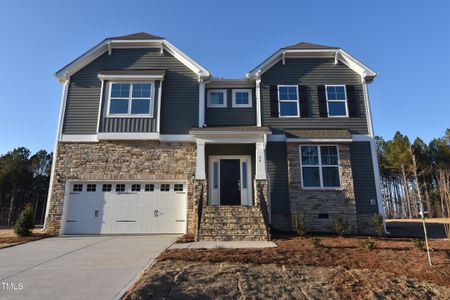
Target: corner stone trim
121 160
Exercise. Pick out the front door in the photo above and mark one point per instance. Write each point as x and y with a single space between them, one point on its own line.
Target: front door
230 180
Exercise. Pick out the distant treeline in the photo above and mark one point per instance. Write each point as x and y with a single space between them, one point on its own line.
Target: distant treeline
412 173
24 178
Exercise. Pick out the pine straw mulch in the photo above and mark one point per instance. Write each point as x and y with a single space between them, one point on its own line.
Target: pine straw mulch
396 256
9 239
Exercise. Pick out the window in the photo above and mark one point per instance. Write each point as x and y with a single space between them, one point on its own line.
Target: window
165 187
320 166
216 174
217 98
336 101
91 187
135 187
77 188
288 101
244 174
149 187
107 187
120 187
131 99
178 187
242 98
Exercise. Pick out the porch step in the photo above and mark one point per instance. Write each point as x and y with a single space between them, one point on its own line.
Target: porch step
233 223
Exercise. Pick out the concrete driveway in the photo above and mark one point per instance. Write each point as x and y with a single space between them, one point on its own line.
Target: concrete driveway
77 267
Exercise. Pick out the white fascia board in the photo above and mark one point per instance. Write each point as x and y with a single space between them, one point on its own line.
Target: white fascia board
306 140
343 56
228 133
130 77
189 62
79 138
128 136
176 138
102 47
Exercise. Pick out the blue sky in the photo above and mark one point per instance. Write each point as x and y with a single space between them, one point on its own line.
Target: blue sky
408 45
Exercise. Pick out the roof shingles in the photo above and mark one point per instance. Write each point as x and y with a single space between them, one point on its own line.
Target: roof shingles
306 46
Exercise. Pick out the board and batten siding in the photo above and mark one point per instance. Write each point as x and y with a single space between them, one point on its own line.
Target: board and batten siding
363 177
312 72
230 116
277 171
124 124
179 103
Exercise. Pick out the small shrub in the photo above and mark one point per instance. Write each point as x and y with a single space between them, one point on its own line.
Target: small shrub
25 222
315 241
378 224
368 243
418 244
340 225
298 222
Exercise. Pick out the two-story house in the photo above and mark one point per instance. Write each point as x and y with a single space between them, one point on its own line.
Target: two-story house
149 141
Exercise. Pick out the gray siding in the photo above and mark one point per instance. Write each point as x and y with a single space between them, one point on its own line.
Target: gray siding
279 192
179 108
312 72
363 177
230 116
108 124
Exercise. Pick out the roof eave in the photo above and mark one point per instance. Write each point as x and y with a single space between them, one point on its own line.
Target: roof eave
64 73
360 68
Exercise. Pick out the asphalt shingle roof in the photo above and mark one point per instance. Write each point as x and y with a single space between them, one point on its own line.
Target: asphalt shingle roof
137 36
318 133
306 45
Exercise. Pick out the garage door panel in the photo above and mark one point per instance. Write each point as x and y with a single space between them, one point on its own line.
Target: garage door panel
112 212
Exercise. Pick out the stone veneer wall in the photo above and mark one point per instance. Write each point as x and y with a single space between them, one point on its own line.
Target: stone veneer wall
122 160
313 202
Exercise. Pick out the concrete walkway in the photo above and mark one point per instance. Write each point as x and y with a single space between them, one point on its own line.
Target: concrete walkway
77 267
223 244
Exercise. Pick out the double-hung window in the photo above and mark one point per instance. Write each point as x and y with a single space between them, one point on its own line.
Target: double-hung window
131 99
217 98
319 166
337 101
288 101
242 98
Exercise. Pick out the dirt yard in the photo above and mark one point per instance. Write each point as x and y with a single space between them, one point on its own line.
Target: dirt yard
340 268
8 238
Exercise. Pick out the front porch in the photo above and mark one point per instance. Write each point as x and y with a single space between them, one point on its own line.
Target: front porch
231 184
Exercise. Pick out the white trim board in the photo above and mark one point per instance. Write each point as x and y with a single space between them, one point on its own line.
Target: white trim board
108 44
110 135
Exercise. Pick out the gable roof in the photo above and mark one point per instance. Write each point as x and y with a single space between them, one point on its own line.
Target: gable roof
306 45
137 36
305 49
142 39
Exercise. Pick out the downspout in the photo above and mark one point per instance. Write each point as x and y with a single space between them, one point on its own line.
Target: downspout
258 100
201 98
62 109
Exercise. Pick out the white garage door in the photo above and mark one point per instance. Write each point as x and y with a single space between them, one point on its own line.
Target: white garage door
118 207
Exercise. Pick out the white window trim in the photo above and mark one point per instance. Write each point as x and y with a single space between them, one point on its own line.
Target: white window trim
321 187
248 91
297 101
225 102
130 97
345 101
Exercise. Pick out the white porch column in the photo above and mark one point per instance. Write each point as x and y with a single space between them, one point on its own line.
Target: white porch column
200 165
260 161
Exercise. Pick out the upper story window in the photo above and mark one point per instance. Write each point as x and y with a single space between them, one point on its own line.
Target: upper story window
131 99
336 101
288 101
319 166
217 98
242 98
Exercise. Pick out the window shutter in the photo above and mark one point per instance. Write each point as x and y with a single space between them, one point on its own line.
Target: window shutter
323 110
351 101
303 96
273 101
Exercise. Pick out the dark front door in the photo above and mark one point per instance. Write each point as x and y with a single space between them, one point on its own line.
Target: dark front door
230 193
